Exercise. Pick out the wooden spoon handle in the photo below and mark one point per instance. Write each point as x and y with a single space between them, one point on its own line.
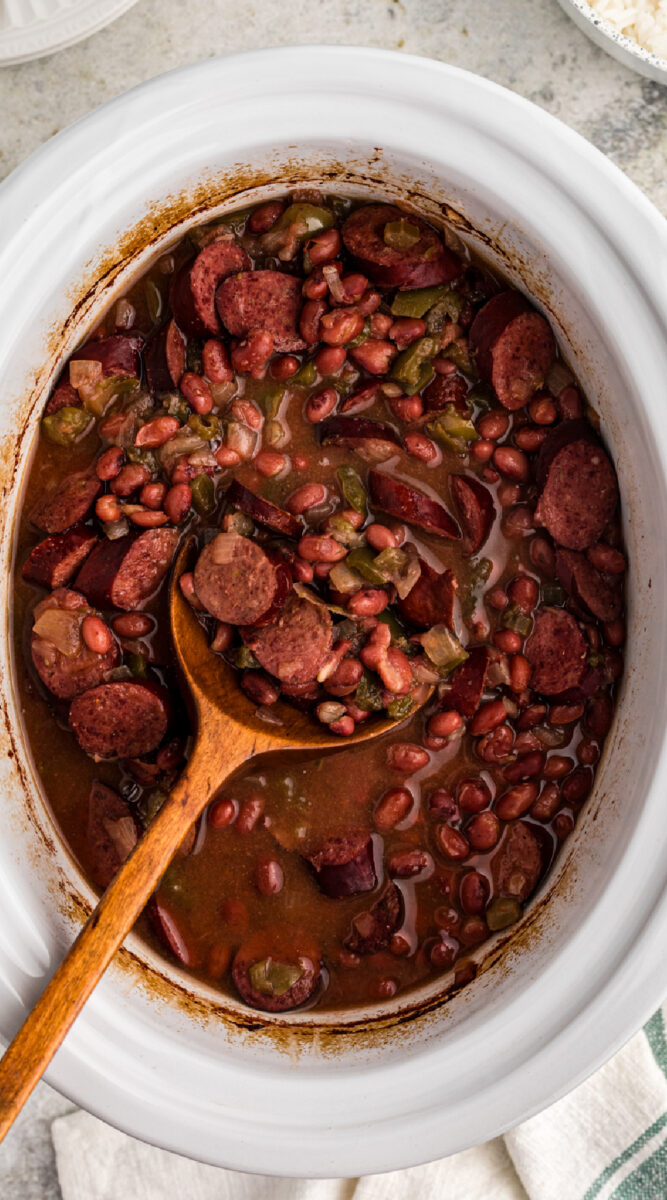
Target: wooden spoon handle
31 1051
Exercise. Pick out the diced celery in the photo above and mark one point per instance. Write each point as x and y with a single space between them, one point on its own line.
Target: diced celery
418 301
408 368
176 406
145 458
67 425
502 912
516 620
553 593
368 694
443 648
306 376
203 494
245 659
400 707
352 488
313 217
344 580
451 428
273 978
363 561
207 427
459 356
401 234
137 664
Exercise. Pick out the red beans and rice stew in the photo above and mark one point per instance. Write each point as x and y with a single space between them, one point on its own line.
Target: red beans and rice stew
394 482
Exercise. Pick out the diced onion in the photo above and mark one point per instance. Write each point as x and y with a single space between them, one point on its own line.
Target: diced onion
334 283
62 628
558 377
84 372
123 834
124 314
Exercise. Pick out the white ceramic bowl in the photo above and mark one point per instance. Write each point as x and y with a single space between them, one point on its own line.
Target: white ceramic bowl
621 47
161 1058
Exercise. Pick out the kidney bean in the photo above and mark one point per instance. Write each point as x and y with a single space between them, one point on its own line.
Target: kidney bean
557 766
177 502
132 625
493 425
526 766
265 216
569 404
269 463
340 327
225 457
508 494
524 592
323 246
197 393
309 321
223 637
219 958
187 585
321 570
315 286
489 716
530 438
354 287
152 495
546 803
270 877
588 752
532 716
368 602
407 758
482 450
519 673
441 803
170 755
259 688
473 931
422 448
284 367
380 537
614 632
109 463
129 479
221 813
302 570
252 353
369 302
472 795
344 727
250 812
381 323
345 677
452 843
577 785
507 641
96 635
406 408
542 555
445 724
145 518
565 714
321 405
248 414
516 801
317 548
107 508
405 330
215 362
330 360
542 410
599 715
512 463
563 824
494 747
395 671
374 355
442 955
497 598
399 945
392 809
405 864
358 714
474 892
606 559
309 495
156 432
483 831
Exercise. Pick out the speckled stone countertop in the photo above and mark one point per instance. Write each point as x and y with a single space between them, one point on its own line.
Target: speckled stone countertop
529 46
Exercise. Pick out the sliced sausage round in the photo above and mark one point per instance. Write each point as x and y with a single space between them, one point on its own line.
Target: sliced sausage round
344 864
601 596
374 440
468 683
401 500
476 511
164 358
444 390
295 646
372 931
125 573
267 300
112 832
426 261
65 665
557 652
518 863
513 347
431 600
193 291
276 971
123 719
119 354
69 504
56 560
238 582
64 396
579 496
263 511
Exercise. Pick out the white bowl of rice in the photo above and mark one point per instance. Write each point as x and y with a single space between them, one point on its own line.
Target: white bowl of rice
632 31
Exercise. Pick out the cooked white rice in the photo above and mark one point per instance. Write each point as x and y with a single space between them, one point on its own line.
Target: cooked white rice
643 20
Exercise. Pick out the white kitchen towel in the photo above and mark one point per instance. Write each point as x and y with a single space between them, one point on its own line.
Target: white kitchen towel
607 1140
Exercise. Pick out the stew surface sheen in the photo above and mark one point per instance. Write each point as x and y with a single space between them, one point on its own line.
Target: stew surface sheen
395 483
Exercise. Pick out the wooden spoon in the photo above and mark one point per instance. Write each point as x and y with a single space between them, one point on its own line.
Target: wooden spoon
229 732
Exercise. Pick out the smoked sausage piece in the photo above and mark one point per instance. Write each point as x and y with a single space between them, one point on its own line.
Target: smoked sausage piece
557 652
295 646
267 300
431 600
600 595
518 863
444 390
276 970
56 560
238 582
372 931
263 511
65 665
64 396
400 500
468 683
344 865
69 504
424 262
119 354
125 572
513 347
164 358
123 719
193 291
374 440
476 511
580 492
112 832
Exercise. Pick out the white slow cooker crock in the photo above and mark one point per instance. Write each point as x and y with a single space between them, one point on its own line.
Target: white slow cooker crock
154 1053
